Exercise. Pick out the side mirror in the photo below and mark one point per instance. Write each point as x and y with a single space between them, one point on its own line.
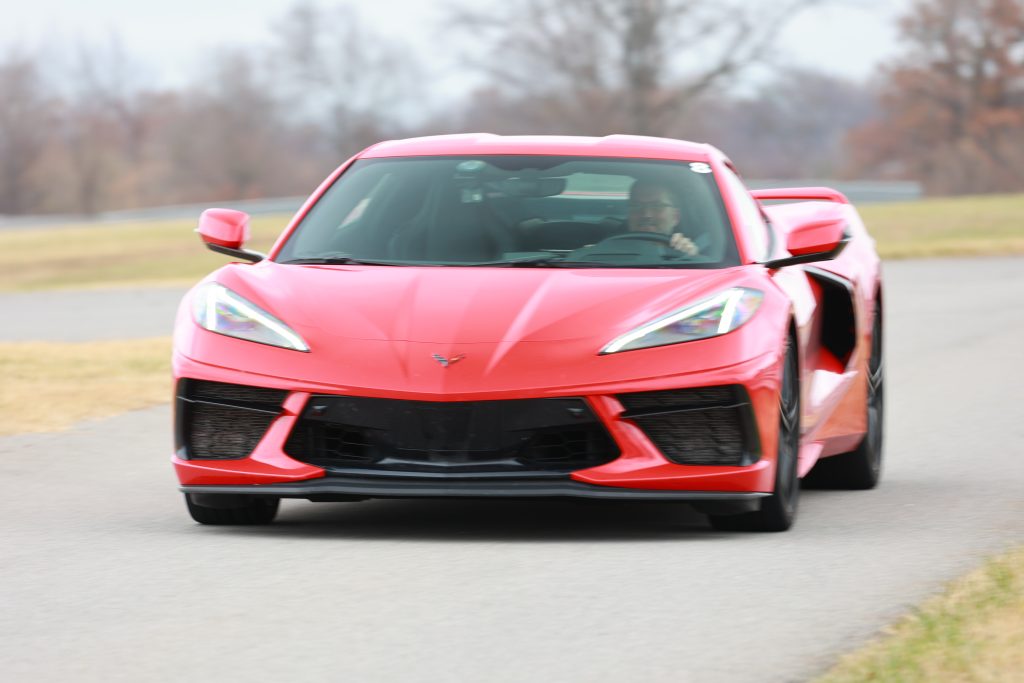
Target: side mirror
226 231
819 234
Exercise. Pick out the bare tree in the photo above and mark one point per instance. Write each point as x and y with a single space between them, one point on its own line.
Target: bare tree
108 77
351 83
953 104
102 126
90 139
600 66
224 137
25 120
793 126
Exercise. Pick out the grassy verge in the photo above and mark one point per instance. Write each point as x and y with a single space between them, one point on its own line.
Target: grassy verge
164 252
128 253
49 386
972 632
985 225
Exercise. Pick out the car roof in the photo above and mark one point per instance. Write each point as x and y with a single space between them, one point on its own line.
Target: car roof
625 146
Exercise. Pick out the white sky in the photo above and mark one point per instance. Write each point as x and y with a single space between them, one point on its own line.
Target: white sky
170 36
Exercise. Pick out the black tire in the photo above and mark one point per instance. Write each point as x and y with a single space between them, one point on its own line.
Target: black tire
861 468
236 510
778 511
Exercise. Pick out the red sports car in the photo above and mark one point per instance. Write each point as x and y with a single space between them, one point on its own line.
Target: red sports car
484 316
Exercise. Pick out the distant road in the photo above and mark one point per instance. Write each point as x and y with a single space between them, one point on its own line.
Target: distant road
89 314
859 192
104 578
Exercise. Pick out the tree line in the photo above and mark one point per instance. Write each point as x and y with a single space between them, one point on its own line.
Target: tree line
270 120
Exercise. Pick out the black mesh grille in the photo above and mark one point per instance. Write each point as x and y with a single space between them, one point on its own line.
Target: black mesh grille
224 433
681 398
706 426
346 444
219 421
484 436
560 446
219 391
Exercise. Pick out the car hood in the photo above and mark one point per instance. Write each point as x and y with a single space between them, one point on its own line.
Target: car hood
459 305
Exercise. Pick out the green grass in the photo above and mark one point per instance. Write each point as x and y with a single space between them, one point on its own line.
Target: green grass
973 632
165 252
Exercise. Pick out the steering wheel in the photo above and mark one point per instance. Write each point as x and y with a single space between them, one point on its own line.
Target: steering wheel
671 253
661 238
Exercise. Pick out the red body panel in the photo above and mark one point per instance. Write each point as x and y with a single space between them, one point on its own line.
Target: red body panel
224 227
530 333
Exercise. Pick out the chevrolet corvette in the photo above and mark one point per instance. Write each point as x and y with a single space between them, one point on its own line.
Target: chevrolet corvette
478 316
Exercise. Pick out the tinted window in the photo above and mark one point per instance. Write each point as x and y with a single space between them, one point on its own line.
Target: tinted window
493 209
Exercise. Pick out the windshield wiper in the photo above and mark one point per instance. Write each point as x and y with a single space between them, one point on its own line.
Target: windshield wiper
556 260
336 261
550 261
559 261
527 262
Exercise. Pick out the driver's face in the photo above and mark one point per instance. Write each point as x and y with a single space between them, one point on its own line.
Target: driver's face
651 210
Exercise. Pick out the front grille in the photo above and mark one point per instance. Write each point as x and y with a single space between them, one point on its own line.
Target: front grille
344 432
705 426
219 421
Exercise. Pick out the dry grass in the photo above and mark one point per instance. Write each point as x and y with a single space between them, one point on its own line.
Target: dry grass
972 633
49 386
136 253
984 225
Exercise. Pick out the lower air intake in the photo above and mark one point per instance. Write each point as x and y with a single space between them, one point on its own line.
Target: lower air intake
706 426
218 421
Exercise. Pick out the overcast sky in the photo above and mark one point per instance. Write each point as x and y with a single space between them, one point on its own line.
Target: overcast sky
850 38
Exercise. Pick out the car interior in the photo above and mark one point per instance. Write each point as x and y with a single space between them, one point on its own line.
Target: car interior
468 211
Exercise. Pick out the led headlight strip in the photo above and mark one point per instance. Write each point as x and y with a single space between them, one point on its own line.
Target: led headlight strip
711 317
218 309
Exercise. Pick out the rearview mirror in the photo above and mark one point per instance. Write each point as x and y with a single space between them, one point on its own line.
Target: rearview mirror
533 187
226 231
820 233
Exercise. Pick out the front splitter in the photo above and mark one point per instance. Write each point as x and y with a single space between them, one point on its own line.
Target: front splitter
366 487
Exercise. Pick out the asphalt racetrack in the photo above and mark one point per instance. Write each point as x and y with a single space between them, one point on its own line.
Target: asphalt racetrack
104 577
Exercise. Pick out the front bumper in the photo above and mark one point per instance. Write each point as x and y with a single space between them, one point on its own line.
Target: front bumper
640 471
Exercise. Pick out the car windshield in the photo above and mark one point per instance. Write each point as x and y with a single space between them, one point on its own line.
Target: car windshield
518 211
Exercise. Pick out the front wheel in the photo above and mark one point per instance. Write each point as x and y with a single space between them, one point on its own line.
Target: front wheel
777 511
228 509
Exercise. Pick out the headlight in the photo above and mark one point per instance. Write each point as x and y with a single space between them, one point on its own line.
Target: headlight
711 317
218 309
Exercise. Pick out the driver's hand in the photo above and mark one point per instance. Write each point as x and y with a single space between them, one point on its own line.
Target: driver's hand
681 242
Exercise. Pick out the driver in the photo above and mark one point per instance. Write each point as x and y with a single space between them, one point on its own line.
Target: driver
653 209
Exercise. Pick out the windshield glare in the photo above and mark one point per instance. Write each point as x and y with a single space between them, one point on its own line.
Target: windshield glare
541 211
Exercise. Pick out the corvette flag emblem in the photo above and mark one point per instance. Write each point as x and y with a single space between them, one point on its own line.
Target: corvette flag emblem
445 362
